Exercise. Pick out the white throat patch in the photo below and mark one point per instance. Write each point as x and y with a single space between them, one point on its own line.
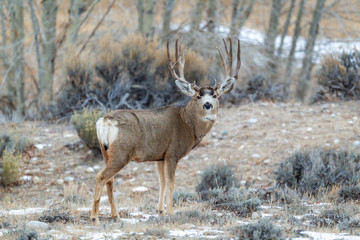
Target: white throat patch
209 117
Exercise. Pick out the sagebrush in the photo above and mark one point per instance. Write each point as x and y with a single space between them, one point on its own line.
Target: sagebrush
85 125
338 76
10 162
315 170
132 74
262 230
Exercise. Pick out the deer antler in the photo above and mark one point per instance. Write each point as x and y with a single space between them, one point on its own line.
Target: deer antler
228 67
179 62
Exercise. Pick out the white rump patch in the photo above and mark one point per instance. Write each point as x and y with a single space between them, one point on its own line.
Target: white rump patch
107 131
210 117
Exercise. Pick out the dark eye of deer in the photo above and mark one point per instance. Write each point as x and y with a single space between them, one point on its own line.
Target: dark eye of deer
198 97
214 96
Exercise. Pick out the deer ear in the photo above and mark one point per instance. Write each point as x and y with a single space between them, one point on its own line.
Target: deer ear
185 87
226 86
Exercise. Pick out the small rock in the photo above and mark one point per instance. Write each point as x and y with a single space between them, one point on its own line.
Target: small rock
140 189
267 161
336 141
68 179
96 167
34 160
309 129
5 224
255 156
333 115
60 181
26 178
36 225
356 143
0 226
255 216
90 170
36 180
252 120
187 226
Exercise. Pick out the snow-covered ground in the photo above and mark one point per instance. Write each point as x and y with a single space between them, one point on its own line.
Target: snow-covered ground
322 46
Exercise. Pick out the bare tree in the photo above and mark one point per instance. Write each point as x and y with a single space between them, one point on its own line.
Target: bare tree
246 14
146 16
272 31
236 15
16 10
48 21
211 24
168 9
197 14
286 26
294 42
79 11
309 48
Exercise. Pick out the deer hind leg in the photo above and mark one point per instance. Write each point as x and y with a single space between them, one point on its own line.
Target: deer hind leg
113 167
170 168
110 188
162 182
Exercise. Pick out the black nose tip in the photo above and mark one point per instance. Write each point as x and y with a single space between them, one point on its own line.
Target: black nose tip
207 105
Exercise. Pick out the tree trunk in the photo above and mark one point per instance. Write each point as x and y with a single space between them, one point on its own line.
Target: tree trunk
286 27
17 39
212 16
169 7
294 42
272 33
48 20
146 15
309 49
236 15
246 14
79 11
197 15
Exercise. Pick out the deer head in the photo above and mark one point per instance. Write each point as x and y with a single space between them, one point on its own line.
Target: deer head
204 99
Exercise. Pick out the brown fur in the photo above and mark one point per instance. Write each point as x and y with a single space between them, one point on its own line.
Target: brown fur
164 134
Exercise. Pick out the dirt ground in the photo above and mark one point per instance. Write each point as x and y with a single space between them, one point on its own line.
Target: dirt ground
253 138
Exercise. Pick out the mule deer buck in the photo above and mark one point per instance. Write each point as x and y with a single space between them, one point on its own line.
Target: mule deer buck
164 135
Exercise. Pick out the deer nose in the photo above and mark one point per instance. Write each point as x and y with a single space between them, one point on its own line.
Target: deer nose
207 106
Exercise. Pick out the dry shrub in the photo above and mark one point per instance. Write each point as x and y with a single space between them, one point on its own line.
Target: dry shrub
315 170
258 88
85 125
76 194
11 167
219 176
219 188
194 217
184 196
131 74
262 230
14 142
338 77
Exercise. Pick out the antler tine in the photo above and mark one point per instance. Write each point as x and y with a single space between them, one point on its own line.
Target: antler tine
180 60
228 66
171 66
238 64
230 57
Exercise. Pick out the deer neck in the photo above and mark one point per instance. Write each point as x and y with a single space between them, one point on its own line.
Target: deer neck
193 118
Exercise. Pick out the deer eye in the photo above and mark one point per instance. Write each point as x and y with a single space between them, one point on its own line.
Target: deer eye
198 97
214 96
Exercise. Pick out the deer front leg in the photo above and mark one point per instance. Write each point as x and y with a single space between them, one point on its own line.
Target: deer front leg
170 168
161 174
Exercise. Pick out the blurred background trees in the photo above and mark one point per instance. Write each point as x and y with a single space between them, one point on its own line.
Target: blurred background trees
60 56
